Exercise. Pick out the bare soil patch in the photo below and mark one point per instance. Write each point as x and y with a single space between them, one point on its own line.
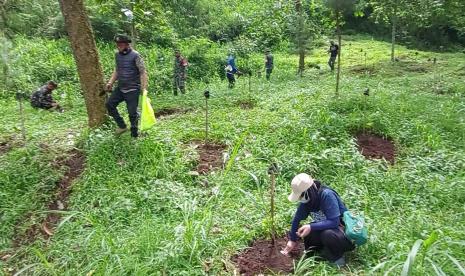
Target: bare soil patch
75 164
361 69
8 143
210 156
246 104
264 258
170 111
373 146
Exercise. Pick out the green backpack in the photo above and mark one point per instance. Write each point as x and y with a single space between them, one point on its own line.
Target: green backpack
355 227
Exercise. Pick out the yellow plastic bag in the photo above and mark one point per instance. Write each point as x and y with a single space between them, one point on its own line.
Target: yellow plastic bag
147 116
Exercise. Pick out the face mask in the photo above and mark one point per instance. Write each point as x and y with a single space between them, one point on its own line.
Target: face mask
304 197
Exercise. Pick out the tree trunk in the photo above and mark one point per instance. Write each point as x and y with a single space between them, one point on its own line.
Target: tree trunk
87 60
393 37
338 30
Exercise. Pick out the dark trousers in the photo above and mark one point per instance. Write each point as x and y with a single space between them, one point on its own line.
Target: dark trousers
331 62
332 243
268 73
231 79
132 101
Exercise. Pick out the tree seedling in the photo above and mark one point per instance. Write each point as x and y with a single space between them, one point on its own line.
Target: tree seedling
206 94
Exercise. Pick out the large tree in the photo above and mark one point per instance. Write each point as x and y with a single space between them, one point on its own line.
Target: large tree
87 59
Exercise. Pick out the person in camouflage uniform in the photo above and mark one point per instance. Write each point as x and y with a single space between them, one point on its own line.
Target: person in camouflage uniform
179 72
268 63
43 99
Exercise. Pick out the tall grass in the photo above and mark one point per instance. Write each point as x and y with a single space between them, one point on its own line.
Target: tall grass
137 210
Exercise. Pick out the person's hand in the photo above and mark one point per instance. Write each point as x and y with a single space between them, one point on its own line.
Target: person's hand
109 86
304 231
289 247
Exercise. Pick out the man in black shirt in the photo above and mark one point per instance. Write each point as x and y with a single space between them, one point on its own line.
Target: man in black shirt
334 50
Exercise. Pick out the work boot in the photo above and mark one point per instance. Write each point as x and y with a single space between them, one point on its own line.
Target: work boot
120 131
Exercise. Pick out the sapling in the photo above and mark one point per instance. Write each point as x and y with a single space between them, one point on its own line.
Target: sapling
207 96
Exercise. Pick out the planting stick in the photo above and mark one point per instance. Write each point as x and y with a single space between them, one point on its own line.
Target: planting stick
20 96
207 96
272 171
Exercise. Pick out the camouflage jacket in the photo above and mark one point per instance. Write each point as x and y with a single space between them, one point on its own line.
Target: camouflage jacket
180 67
42 96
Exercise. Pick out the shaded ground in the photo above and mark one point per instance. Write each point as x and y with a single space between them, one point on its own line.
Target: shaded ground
210 156
263 258
75 163
374 146
165 112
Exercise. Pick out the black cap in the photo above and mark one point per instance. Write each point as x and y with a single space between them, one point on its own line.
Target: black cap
122 39
53 83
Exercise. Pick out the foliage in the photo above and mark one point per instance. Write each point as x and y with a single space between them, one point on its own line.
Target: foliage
137 210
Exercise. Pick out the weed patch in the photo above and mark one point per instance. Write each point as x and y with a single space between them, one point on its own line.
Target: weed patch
263 257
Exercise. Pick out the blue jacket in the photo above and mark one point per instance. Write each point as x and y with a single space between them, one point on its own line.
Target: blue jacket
232 61
326 216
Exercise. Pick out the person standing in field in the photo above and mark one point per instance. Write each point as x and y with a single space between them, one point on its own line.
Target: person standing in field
334 51
179 73
132 77
231 69
269 63
42 97
325 234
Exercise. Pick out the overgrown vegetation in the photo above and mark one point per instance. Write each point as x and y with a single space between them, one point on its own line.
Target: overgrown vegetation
137 209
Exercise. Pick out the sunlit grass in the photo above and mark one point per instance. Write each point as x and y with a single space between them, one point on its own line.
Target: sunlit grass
137 210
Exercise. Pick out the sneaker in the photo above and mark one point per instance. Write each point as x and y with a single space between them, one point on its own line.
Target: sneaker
120 131
341 262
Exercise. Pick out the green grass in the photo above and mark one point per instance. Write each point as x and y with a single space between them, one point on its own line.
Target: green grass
137 210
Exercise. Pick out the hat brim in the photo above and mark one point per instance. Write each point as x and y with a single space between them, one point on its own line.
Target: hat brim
294 197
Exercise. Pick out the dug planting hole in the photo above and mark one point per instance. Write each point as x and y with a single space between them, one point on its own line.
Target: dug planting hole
75 164
210 156
373 146
170 111
264 256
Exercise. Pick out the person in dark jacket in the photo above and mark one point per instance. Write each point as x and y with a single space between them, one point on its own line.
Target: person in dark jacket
269 63
132 79
42 97
333 51
325 234
231 70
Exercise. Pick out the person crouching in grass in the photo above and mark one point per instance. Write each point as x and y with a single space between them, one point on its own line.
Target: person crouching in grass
325 235
42 97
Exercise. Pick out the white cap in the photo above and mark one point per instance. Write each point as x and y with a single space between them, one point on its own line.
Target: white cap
300 184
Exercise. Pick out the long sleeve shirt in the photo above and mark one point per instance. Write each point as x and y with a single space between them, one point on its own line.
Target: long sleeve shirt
326 216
